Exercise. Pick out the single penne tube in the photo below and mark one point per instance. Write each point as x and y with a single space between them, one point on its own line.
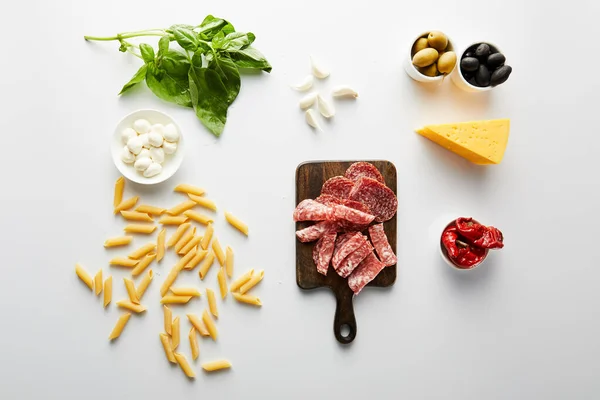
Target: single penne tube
203 202
212 302
146 209
185 367
166 342
189 189
190 245
142 251
119 326
246 298
240 281
236 223
222 282
126 204
107 291
143 264
175 334
178 234
173 299
168 282
216 365
229 261
118 241
144 283
119 188
196 260
198 324
210 325
84 276
136 216
170 220
206 264
252 282
131 292
207 236
98 282
140 228
181 207
199 218
128 305
160 245
194 343
189 235
123 262
216 246
185 291
168 319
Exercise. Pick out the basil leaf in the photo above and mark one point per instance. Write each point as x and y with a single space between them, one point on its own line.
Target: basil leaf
139 76
163 45
174 63
238 40
218 40
212 25
147 52
250 58
227 29
186 37
229 74
167 86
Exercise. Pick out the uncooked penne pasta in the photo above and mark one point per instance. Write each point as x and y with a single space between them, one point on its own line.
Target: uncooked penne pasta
173 299
175 334
198 324
190 245
107 291
143 264
204 202
199 218
194 343
160 244
252 282
131 292
170 220
189 189
128 305
212 302
126 204
185 367
119 326
181 207
164 339
142 251
168 319
207 236
246 298
240 281
189 235
178 234
98 282
206 264
222 282
210 325
216 365
84 276
145 282
140 228
123 262
119 188
185 291
175 271
216 246
236 223
196 260
136 216
144 208
229 261
118 241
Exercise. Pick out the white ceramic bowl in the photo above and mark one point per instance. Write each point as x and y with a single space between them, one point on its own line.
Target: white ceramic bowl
172 161
445 257
413 72
458 78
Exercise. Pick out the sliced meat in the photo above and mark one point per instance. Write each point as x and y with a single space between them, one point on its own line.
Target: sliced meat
379 198
382 246
360 169
353 259
310 210
366 271
338 186
330 200
323 251
342 239
343 213
315 231
356 205
350 245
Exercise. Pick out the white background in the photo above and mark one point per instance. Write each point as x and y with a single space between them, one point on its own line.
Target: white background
524 325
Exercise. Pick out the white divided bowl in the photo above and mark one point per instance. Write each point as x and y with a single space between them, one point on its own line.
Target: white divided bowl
172 161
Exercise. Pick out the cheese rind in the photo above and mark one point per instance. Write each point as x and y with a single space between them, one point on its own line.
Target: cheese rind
481 142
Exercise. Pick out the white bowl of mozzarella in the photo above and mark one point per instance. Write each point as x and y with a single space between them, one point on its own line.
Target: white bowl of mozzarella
147 147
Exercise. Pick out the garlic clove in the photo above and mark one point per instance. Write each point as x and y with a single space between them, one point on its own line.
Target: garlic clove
308 100
344 91
311 119
305 84
325 108
317 69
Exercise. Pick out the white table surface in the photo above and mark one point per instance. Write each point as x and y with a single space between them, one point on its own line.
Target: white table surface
524 326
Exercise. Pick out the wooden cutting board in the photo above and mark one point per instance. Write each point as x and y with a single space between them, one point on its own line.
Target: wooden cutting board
310 176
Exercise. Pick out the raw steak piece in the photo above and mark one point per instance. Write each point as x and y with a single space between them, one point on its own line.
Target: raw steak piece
382 246
378 197
353 259
315 231
343 213
366 271
323 251
349 246
310 210
338 186
362 168
329 200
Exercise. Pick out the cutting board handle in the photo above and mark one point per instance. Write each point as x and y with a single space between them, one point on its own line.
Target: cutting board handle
344 316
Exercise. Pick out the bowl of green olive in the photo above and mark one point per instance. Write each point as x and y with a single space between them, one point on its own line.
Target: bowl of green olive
431 57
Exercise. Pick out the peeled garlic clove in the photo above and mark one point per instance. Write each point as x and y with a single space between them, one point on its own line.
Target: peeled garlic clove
141 126
126 156
305 84
317 69
344 91
325 108
157 155
311 119
142 163
152 170
169 147
308 100
171 133
127 134
135 145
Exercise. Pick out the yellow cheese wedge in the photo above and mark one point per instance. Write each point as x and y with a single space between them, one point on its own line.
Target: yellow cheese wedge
481 142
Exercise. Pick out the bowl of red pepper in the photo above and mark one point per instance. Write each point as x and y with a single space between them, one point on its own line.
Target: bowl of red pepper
465 243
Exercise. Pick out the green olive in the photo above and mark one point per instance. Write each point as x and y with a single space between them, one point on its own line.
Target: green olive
446 62
425 57
419 45
437 40
432 70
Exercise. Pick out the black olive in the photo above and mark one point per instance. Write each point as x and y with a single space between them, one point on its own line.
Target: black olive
472 81
495 60
469 64
501 75
468 54
468 75
482 76
483 50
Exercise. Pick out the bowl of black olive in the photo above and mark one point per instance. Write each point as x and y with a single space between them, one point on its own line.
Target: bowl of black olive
481 67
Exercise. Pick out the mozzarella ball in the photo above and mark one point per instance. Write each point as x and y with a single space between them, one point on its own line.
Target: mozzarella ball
152 170
157 155
141 164
169 147
145 140
126 156
141 126
158 128
171 133
135 144
127 134
155 139
145 153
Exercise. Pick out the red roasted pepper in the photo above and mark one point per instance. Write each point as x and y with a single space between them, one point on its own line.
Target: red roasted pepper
486 237
467 241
